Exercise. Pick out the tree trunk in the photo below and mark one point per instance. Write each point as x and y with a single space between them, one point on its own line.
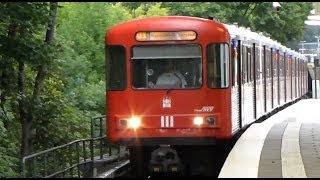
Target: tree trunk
42 69
25 123
52 22
23 111
27 120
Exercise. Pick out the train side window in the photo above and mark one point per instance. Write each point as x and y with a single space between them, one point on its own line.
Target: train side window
244 65
116 67
250 64
268 57
234 64
276 64
257 62
281 74
218 65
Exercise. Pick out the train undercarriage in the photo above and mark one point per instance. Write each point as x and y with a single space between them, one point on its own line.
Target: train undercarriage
181 160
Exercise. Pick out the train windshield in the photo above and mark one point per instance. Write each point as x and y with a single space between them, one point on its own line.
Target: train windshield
166 66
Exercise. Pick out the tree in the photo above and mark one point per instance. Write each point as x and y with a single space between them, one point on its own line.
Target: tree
52 82
25 54
197 9
280 26
81 33
149 10
27 109
259 16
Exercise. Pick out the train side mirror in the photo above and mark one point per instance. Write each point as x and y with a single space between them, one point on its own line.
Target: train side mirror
276 7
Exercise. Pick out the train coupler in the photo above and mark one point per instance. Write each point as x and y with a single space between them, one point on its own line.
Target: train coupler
165 160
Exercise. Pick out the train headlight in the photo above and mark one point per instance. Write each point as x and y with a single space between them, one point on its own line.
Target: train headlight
198 120
134 122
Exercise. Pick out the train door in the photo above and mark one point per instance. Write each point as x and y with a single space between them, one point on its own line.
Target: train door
303 73
251 83
244 77
247 110
285 77
293 68
282 82
272 77
235 90
302 76
288 78
275 69
267 80
258 80
298 77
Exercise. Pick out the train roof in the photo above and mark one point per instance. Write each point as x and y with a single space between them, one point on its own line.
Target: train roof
126 31
245 34
192 23
164 22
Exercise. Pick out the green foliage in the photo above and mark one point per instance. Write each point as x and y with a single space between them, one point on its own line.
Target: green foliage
149 10
197 9
81 64
74 87
81 30
259 16
29 16
91 97
268 21
64 121
8 154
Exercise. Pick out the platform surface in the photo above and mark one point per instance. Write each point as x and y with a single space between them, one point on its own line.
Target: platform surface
286 145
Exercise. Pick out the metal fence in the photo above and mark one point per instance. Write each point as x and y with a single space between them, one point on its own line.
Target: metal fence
75 159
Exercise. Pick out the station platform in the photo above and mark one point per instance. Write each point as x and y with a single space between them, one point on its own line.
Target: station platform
286 145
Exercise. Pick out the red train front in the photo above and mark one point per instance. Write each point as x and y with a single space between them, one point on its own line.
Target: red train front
168 89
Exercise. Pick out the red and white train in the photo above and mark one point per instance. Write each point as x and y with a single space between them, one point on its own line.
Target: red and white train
177 85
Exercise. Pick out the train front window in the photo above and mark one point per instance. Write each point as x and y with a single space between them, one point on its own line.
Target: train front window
218 66
166 66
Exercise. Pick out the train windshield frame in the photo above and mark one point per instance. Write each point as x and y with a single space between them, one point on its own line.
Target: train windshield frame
170 66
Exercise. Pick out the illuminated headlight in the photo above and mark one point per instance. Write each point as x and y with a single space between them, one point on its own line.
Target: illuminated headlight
198 120
134 122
